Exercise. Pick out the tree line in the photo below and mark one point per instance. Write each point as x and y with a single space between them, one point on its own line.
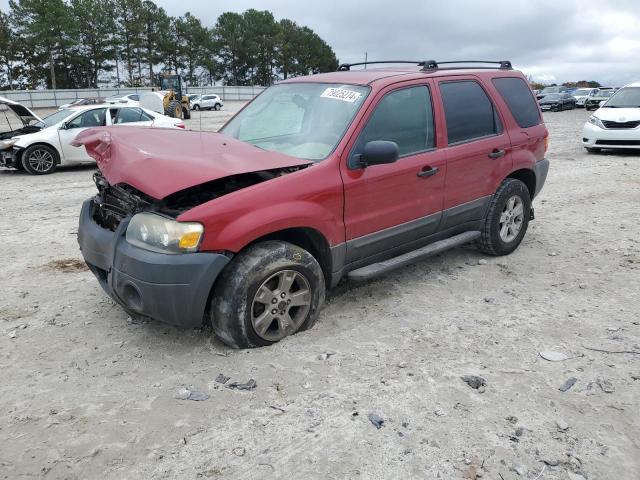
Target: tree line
92 43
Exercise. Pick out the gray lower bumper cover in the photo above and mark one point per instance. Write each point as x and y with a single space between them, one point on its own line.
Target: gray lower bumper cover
170 288
540 169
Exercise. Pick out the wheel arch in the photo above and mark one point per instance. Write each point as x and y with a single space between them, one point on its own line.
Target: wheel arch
58 155
312 240
526 176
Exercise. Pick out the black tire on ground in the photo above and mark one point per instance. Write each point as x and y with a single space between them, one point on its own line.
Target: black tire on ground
592 149
174 109
39 159
234 303
186 113
216 107
491 240
196 107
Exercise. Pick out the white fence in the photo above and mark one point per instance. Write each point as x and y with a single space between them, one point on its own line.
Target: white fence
55 98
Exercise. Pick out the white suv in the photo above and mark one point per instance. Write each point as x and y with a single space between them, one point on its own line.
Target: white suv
207 102
616 124
583 94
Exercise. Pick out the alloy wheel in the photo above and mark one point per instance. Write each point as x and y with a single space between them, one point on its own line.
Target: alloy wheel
41 160
511 219
280 305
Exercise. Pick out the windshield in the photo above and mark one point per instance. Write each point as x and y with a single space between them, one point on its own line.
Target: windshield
553 96
304 120
55 118
625 98
551 90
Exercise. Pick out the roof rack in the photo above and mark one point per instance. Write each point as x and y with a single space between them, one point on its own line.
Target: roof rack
432 65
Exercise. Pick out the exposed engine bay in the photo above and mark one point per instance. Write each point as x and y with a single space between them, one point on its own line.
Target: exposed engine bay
117 202
19 131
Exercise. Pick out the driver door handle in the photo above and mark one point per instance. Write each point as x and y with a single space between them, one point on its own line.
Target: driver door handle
497 153
428 172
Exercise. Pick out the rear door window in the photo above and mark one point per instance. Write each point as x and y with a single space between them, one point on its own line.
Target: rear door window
469 112
518 97
131 115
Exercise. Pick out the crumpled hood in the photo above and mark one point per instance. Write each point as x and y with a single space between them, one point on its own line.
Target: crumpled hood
159 162
618 114
20 110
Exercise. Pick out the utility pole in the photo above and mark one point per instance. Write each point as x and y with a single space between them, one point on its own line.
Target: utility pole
365 59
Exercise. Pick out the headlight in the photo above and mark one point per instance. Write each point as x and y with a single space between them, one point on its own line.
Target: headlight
595 121
4 144
163 235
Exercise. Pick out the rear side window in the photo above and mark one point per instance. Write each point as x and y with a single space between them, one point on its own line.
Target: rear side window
403 116
519 99
468 111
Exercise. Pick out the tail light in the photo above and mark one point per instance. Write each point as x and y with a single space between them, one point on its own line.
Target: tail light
180 125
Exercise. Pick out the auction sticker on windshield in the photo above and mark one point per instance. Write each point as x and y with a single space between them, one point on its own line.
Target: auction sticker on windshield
341 94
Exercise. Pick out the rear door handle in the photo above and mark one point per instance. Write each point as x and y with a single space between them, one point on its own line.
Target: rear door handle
428 172
496 153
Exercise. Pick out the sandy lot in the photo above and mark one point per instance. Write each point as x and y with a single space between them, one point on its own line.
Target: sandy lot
86 393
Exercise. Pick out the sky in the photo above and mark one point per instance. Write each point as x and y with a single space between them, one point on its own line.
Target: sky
554 41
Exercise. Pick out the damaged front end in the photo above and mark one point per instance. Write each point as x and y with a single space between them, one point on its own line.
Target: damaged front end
114 203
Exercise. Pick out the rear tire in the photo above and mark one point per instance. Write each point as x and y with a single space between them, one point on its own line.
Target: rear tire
40 159
216 107
271 290
507 218
196 107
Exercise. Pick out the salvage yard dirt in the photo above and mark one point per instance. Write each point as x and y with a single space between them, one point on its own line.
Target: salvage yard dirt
374 390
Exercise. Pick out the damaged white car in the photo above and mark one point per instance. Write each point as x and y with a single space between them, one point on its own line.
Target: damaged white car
38 146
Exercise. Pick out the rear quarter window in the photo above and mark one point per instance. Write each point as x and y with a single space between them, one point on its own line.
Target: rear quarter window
518 97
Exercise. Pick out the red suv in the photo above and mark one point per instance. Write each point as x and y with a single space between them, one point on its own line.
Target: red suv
351 173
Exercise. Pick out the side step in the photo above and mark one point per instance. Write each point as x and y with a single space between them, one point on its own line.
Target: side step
380 268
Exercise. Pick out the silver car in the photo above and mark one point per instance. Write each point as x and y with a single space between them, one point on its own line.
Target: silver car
207 102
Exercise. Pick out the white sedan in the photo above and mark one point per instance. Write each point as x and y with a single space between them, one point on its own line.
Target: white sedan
129 99
616 124
41 152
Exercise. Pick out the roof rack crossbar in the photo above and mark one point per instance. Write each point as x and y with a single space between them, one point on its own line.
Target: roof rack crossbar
347 66
433 65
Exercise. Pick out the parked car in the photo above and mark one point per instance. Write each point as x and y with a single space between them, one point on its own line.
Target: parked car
83 101
583 94
593 102
548 90
207 102
130 99
42 151
616 124
319 177
557 102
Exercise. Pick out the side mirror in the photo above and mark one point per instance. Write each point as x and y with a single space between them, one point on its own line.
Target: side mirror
377 152
64 126
602 103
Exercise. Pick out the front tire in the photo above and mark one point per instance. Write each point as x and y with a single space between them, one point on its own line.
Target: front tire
40 159
271 290
174 109
196 107
507 218
216 107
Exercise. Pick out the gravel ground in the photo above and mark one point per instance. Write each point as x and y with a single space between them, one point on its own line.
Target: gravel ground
86 393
